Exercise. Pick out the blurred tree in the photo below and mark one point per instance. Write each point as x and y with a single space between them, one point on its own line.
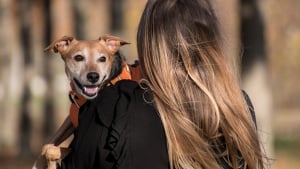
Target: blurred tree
25 122
48 109
117 16
37 82
4 60
11 76
255 69
132 12
92 18
243 31
252 35
283 30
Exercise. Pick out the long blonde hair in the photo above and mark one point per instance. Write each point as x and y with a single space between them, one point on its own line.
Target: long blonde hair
206 119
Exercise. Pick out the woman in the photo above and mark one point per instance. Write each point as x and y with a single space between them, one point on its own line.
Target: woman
188 112
205 117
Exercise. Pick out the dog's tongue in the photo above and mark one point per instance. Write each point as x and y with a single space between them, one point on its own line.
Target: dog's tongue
90 90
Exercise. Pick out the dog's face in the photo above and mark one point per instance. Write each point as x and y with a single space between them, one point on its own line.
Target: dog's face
88 64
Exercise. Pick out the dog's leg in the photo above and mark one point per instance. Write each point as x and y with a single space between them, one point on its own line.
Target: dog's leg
64 131
51 151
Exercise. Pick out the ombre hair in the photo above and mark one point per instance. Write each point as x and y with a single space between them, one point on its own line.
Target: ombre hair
205 116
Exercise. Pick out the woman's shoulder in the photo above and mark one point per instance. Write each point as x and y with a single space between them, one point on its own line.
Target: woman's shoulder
134 99
127 86
136 134
133 93
118 98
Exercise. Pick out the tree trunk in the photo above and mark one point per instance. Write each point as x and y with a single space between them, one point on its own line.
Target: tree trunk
25 119
37 81
132 12
11 77
91 18
255 69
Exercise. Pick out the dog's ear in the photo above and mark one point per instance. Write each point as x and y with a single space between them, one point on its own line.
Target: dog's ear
60 45
113 43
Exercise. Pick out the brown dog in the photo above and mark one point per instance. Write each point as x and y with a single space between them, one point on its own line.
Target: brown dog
88 63
90 66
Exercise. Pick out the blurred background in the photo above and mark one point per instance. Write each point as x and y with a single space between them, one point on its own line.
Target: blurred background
262 35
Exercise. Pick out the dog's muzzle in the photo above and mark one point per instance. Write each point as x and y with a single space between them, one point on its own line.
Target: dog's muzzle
90 91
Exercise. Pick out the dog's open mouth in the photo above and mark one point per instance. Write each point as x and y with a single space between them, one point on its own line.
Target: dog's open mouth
88 90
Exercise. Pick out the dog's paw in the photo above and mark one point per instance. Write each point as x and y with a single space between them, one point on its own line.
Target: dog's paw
51 152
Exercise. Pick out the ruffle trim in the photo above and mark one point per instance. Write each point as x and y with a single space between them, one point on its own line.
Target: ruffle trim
117 121
116 143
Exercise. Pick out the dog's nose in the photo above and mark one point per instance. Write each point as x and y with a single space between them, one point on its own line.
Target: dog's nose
93 77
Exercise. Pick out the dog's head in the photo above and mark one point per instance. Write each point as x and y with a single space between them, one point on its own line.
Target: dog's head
88 64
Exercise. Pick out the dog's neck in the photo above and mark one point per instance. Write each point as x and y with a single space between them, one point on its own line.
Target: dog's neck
116 68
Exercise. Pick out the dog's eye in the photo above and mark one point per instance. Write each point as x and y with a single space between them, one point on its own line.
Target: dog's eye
102 59
78 58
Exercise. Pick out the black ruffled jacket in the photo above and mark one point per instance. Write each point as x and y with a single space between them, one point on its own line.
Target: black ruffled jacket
119 130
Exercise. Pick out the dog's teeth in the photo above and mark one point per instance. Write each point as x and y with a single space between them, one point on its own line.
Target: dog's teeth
90 90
